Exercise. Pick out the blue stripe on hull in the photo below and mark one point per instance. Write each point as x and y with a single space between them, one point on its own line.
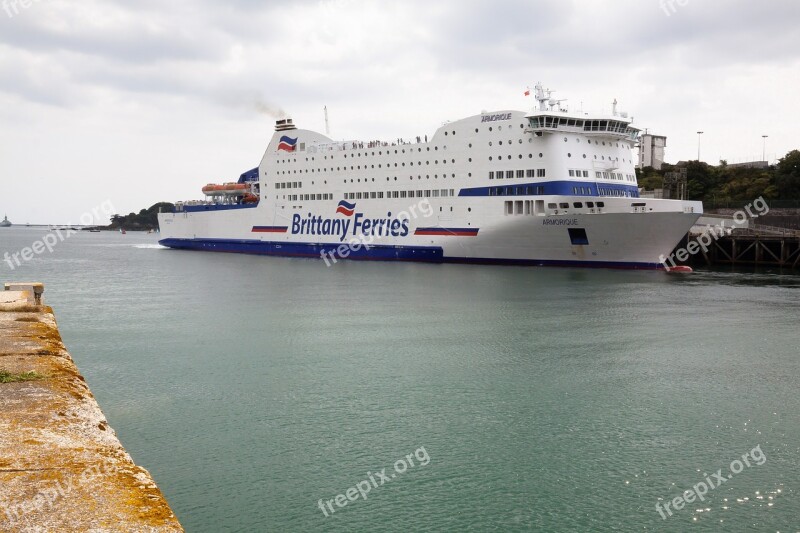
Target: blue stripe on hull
429 254
626 265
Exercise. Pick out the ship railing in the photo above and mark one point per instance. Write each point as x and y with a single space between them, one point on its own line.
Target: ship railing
772 231
340 146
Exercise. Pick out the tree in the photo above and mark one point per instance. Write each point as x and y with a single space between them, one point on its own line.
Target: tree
787 176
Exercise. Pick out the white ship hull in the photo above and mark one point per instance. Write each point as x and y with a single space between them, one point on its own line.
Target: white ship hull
511 194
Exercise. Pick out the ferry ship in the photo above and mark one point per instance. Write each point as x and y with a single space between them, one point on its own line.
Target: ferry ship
546 187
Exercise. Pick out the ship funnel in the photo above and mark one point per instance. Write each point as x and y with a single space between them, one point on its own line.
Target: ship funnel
284 124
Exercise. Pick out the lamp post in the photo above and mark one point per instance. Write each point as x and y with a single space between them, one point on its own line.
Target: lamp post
764 149
699 133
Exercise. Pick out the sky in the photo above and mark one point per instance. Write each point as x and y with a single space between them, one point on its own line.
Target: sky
131 103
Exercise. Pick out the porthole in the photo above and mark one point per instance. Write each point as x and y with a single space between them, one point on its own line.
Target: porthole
530 156
470 145
490 128
499 128
569 155
541 154
490 158
499 143
584 156
565 139
490 143
509 157
476 130
520 141
445 134
469 210
520 156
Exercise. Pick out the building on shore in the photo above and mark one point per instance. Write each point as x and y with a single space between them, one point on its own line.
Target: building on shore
651 151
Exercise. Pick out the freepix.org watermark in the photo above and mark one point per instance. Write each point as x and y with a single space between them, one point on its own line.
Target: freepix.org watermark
57 236
699 490
13 7
715 232
373 481
47 498
376 229
671 6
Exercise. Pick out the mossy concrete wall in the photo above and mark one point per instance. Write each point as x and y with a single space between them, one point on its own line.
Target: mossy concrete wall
62 467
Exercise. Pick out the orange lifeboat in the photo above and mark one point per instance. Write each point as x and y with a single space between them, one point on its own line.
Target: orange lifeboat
250 198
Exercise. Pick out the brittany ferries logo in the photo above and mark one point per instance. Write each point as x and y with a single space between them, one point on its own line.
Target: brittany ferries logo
356 226
287 143
345 208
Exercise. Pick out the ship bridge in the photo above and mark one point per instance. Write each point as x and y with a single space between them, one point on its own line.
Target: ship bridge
550 118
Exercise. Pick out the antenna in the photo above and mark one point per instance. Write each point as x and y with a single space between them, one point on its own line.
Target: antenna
327 125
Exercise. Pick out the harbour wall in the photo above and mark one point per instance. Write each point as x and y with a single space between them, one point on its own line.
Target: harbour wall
62 467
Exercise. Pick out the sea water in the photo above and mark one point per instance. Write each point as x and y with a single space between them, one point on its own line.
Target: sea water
275 394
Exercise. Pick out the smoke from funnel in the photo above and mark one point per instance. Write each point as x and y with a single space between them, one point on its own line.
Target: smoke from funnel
267 109
252 100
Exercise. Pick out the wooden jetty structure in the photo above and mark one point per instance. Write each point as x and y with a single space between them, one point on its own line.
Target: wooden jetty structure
753 246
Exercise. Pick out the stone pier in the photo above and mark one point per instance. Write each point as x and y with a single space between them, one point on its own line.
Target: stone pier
62 467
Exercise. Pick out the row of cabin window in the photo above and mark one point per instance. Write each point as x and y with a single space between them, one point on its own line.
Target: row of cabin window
339 169
517 191
510 174
578 173
616 192
289 185
365 154
615 176
516 207
428 193
322 196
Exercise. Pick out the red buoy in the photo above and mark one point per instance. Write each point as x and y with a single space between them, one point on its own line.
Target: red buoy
679 269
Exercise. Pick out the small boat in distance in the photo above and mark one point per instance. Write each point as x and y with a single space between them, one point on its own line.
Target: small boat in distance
5 223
